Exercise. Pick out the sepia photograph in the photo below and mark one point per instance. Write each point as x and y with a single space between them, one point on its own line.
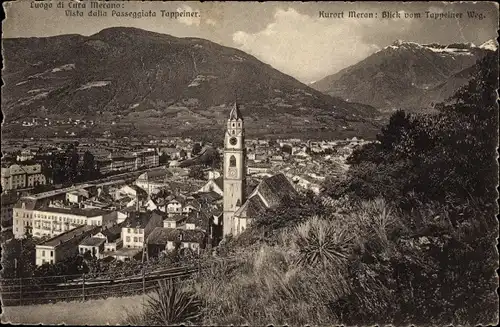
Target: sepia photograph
280 163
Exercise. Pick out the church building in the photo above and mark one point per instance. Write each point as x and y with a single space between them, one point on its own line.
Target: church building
240 209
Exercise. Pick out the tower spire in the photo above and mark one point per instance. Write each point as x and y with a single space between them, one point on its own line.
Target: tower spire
235 113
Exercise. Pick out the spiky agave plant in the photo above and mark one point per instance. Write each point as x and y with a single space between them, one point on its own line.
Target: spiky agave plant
171 305
323 242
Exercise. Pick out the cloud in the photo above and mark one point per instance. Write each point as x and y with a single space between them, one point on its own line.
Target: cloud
188 20
310 48
210 22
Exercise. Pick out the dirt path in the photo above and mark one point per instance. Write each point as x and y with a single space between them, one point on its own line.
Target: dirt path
110 311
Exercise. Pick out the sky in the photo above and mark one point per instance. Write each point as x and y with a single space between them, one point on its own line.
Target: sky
290 36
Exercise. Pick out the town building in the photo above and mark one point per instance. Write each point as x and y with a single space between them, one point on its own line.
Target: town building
112 238
52 221
136 160
25 155
93 246
167 239
174 221
50 217
62 246
137 227
153 181
258 168
22 176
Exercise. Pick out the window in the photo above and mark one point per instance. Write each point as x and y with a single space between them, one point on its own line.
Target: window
232 161
140 239
43 253
135 239
128 230
51 253
128 238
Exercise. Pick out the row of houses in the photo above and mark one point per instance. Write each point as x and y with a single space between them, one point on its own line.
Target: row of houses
141 233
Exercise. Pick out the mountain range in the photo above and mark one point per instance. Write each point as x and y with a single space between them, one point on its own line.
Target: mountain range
151 83
406 75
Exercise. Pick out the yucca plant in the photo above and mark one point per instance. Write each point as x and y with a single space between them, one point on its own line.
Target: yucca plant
377 218
322 242
171 305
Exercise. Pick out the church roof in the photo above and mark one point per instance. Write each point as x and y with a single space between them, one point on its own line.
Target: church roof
235 113
251 208
219 181
250 185
275 189
271 192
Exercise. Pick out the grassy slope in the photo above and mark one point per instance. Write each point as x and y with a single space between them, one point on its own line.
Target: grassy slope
376 266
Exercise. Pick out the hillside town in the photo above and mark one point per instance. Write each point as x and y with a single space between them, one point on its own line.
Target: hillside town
163 195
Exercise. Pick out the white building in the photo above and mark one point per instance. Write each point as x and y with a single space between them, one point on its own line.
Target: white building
137 227
62 246
18 176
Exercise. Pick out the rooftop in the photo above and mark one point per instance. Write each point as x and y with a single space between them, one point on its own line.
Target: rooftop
56 192
176 218
93 241
112 233
66 236
161 235
90 212
138 219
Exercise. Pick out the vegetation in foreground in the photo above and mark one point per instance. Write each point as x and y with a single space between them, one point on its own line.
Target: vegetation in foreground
408 237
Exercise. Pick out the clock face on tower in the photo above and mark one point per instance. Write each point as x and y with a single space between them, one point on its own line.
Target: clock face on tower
233 141
231 172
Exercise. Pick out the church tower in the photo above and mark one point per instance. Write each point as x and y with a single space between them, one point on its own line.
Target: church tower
234 168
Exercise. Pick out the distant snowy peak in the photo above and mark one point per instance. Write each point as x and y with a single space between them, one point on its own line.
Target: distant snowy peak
454 48
489 45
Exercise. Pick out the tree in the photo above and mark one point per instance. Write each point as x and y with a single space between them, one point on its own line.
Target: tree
450 156
287 149
71 165
58 162
196 172
196 149
398 127
88 170
24 252
211 158
164 158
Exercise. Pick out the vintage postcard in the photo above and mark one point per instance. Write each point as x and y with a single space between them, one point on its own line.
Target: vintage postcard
249 163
